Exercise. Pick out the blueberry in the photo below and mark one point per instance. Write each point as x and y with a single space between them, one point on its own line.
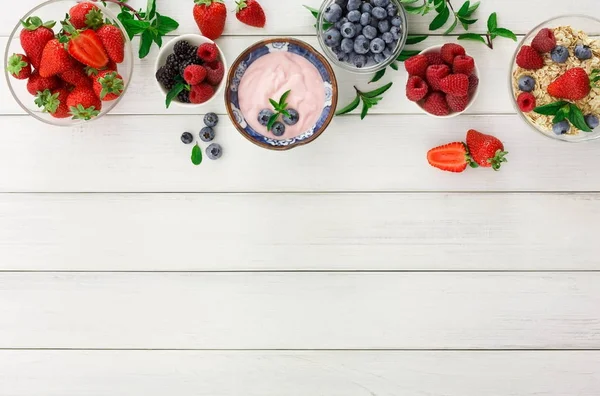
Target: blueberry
377 46
387 37
526 83
395 30
371 59
341 3
340 55
214 151
361 45
187 137
396 21
347 45
387 52
333 13
366 7
348 30
293 118
560 128
358 60
263 116
583 52
369 32
354 5
559 54
365 19
392 10
379 58
358 27
278 129
381 3
379 12
207 134
384 26
591 121
211 120
332 37
354 16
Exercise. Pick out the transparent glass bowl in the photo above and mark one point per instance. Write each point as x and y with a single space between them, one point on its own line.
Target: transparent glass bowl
332 57
588 25
55 10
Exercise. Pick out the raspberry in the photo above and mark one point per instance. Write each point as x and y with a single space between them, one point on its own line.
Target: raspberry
416 65
215 72
463 64
457 103
451 51
208 52
416 88
529 59
201 93
434 58
455 84
473 83
544 41
526 102
436 104
194 74
434 75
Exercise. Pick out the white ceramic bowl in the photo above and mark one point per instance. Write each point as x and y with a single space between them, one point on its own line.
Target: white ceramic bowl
195 40
437 48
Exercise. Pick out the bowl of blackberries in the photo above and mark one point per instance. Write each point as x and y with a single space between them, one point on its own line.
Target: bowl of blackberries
190 70
362 36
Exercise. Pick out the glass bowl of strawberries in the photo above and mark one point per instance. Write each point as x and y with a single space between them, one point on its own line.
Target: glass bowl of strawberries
69 72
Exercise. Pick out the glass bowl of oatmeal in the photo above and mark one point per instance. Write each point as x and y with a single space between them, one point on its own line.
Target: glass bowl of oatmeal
579 39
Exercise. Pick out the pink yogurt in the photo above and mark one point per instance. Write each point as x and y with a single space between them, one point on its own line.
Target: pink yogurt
269 77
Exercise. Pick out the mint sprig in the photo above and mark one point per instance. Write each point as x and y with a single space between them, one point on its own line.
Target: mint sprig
179 87
445 10
493 31
369 99
280 108
563 110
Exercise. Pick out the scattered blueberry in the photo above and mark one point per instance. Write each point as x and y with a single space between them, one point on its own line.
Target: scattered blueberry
333 13
369 32
207 134
377 46
278 129
559 54
379 58
396 21
387 37
392 10
366 7
358 60
187 137
526 83
214 151
347 45
348 30
365 19
361 45
379 12
354 5
583 52
333 37
560 128
354 16
293 118
384 26
211 120
263 116
591 121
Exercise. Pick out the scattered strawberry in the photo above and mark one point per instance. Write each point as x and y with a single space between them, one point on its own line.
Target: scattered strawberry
486 150
194 74
457 103
251 13
455 84
83 103
54 102
55 59
435 74
434 58
451 157
529 59
201 93
113 42
76 77
108 85
86 47
19 66
208 52
215 71
210 16
450 51
34 37
416 65
573 85
416 88
526 102
473 83
86 15
435 103
37 83
463 64
544 41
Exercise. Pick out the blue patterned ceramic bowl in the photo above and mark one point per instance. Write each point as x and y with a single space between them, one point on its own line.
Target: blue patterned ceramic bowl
264 47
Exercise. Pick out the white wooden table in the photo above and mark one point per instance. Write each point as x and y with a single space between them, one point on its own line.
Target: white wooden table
345 268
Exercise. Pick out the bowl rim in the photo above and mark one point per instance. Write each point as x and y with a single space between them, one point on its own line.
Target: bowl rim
289 40
128 48
169 46
473 98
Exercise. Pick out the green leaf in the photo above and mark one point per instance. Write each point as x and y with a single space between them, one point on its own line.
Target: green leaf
414 10
272 121
378 76
471 37
150 10
365 110
452 27
404 55
440 19
394 66
576 118
196 155
378 91
173 93
466 21
464 9
158 40
313 11
145 43
492 22
505 33
408 1
550 109
560 116
412 39
282 103
353 105
473 8
274 104
166 25
440 5
134 27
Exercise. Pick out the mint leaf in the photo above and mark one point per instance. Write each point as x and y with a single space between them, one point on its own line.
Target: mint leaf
353 105
378 91
165 25
150 10
313 11
473 8
274 104
453 26
492 22
505 33
576 118
464 9
378 76
471 37
440 19
145 44
283 98
410 40
134 27
365 110
196 155
394 66
173 93
272 121
551 108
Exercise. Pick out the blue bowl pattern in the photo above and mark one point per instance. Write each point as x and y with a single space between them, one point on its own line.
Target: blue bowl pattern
295 47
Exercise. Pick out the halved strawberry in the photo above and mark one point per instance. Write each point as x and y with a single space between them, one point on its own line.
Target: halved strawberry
451 157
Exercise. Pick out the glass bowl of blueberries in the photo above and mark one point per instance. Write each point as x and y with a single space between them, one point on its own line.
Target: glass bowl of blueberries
362 36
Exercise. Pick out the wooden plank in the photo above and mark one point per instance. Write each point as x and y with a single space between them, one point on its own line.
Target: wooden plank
223 232
300 310
145 154
262 373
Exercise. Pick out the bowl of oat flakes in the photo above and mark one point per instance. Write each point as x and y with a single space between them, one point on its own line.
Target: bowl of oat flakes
555 78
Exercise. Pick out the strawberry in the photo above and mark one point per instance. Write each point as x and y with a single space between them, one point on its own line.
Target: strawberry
215 71
86 47
455 84
463 64
529 59
108 85
435 103
86 15
194 74
434 58
113 42
208 52
416 88
573 85
526 102
91 71
19 66
210 16
34 38
201 93
251 13
54 102
36 83
451 157
55 59
486 150
76 77
416 65
434 75
83 103
457 103
450 51
544 41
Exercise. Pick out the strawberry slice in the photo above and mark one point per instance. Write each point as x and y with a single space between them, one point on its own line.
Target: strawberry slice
85 46
451 157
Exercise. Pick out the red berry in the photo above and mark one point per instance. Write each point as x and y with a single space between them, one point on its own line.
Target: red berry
451 157
450 51
463 64
435 74
210 16
34 38
573 85
194 74
19 66
208 52
54 102
76 77
215 71
455 84
85 15
37 83
416 65
108 85
435 103
84 104
201 93
113 41
544 41
434 58
457 104
416 88
529 59
526 102
473 83
251 13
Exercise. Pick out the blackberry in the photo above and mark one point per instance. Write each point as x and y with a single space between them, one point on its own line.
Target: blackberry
182 48
173 60
184 96
194 56
183 64
164 77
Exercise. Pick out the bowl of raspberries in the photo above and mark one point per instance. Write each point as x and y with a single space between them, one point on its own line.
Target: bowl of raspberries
190 70
442 80
70 72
